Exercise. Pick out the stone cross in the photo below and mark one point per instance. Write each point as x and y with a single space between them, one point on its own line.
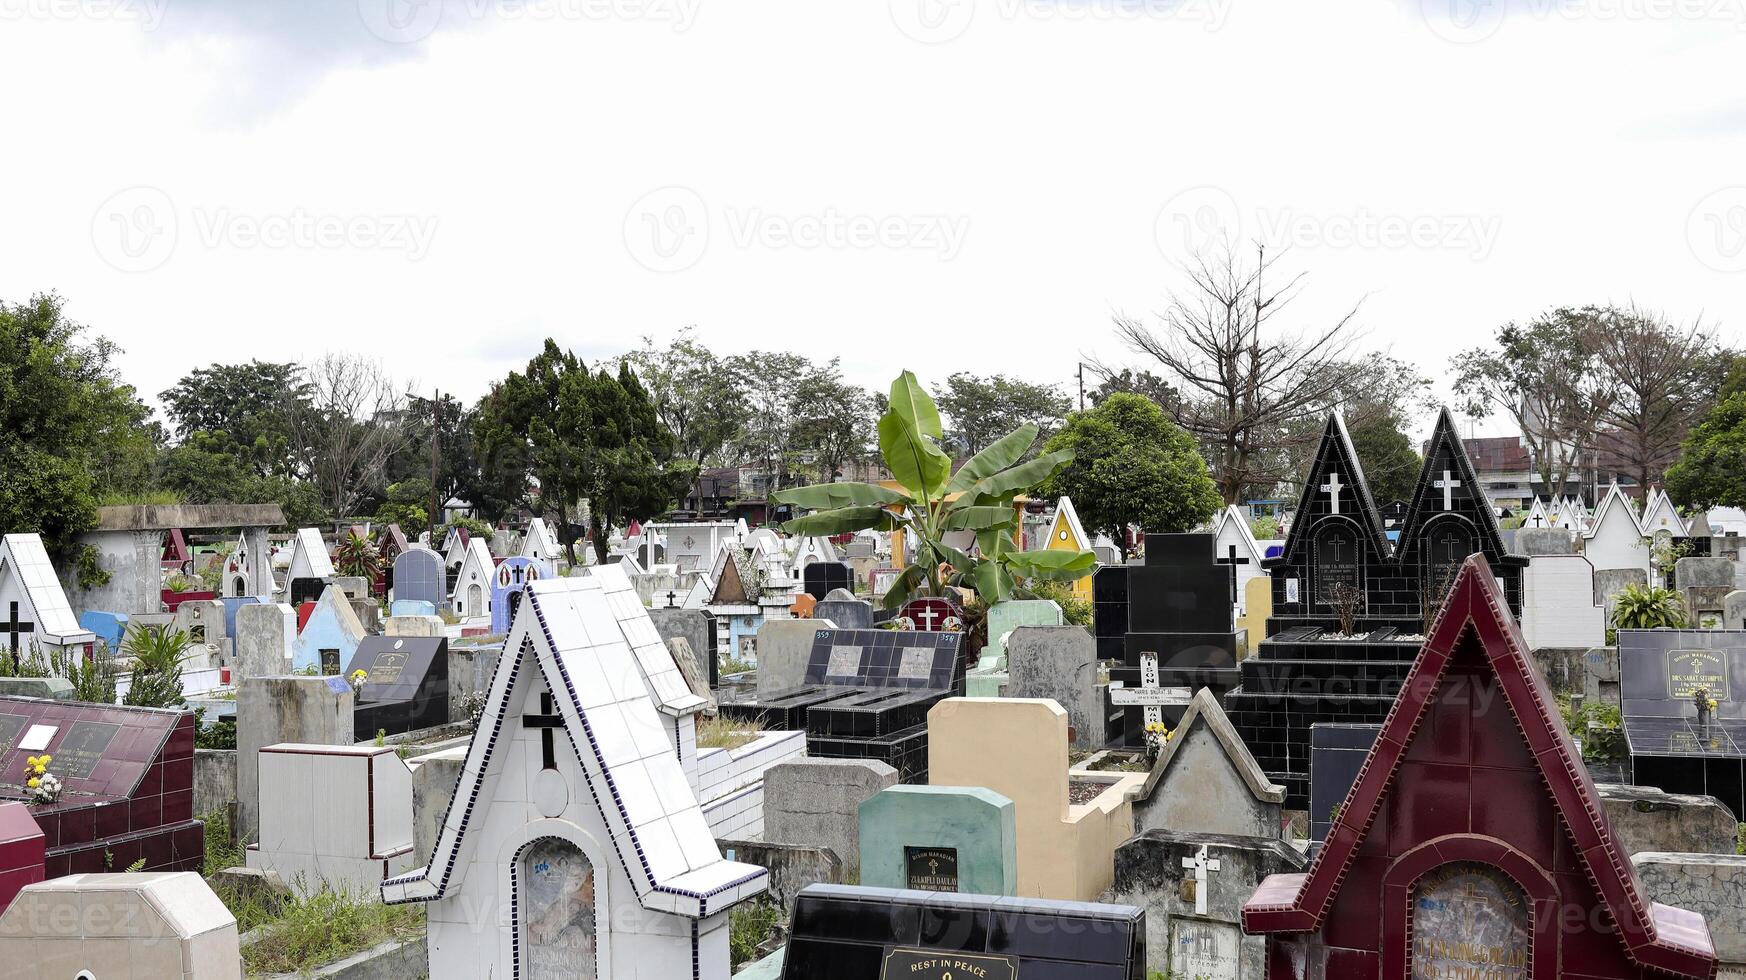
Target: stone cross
545 721
1447 484
1332 488
14 626
1200 865
671 597
1232 559
928 615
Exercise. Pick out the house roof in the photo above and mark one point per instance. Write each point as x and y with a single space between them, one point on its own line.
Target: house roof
24 557
1067 514
1335 453
1659 514
575 640
1615 500
1204 710
1655 936
308 541
1443 453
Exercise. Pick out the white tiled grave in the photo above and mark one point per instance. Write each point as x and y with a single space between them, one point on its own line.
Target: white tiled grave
575 842
334 815
159 924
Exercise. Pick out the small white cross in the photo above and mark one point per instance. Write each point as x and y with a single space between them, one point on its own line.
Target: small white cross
928 615
1332 488
1200 866
1447 484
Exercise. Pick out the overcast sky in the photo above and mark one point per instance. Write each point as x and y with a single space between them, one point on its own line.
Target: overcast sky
932 184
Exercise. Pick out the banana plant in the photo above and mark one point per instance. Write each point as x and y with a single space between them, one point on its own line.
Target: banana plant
932 502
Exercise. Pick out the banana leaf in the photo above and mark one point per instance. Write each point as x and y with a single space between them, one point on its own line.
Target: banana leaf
915 460
1005 451
1009 483
901 587
992 581
830 496
912 403
976 518
842 521
1051 565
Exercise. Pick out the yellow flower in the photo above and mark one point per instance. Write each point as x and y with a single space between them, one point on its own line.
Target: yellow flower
33 782
47 759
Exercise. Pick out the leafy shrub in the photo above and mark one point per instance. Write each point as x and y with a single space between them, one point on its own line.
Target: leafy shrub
158 652
1074 610
1639 607
356 556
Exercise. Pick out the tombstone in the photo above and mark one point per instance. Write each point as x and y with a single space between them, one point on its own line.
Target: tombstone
407 687
1671 747
1067 534
784 650
1705 584
49 688
1065 850
1192 887
940 839
823 577
1734 611
412 608
21 850
237 577
329 637
1179 612
1305 671
1235 545
96 926
844 609
274 710
265 633
852 931
1710 885
204 621
697 628
1009 615
333 817
470 597
880 580
540 543
1647 819
1337 753
127 778
1206 782
1558 610
1609 582
1660 515
1442 861
34 613
1615 539
816 802
1059 663
418 577
1257 607
1109 611
580 822
512 577
1545 541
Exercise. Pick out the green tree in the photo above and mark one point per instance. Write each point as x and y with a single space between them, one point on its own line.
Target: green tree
695 394
1711 471
1132 465
356 556
932 502
248 404
1391 466
770 384
70 430
833 421
406 506
633 469
982 409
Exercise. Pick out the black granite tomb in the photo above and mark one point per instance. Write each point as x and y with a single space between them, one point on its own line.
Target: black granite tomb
1671 747
1337 753
821 577
301 590
846 932
408 684
1109 610
866 696
1337 558
1179 608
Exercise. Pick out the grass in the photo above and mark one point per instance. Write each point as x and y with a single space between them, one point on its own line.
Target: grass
157 498
722 732
324 928
729 665
750 925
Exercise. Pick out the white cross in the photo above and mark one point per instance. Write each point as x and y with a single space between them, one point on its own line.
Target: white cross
1149 679
1200 866
928 615
1332 488
1447 484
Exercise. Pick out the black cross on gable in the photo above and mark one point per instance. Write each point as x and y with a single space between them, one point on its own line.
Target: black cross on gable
1232 559
14 627
518 571
545 721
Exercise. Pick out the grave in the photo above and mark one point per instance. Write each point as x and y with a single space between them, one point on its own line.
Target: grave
470 598
1671 747
1704 583
930 614
1059 663
1615 538
1206 782
34 614
1712 885
389 547
129 546
1065 847
1609 582
337 817
1337 753
21 850
849 931
1193 886
407 687
575 819
940 839
1067 534
274 710
989 678
540 543
265 634
866 695
697 628
784 651
1558 608
109 628
102 926
1179 613
1659 515
1336 564
1473 843
418 577
1647 819
309 569
330 635
823 577
1544 541
127 777
816 802
511 579
1235 545
844 609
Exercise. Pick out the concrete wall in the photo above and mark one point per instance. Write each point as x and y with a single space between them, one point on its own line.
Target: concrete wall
214 779
792 866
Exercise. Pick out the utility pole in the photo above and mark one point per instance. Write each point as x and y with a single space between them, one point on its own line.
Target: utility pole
435 497
1082 386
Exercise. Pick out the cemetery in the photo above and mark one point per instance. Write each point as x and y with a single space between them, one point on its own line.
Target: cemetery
953 720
